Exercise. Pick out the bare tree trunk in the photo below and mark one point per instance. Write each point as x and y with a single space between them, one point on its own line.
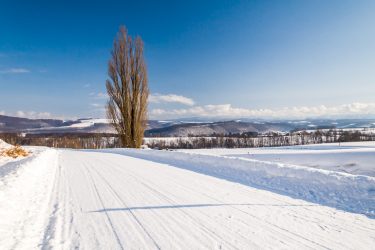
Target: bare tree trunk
127 89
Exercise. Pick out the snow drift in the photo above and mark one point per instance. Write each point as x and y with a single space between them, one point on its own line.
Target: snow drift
4 145
25 187
352 193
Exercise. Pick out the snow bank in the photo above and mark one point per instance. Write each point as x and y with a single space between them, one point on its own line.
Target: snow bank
4 145
10 165
353 193
25 188
4 160
356 158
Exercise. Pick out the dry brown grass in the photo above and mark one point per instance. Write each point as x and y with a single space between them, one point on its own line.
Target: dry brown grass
14 152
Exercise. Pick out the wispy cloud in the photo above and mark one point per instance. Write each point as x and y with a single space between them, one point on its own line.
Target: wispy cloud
28 114
36 115
14 71
33 114
171 98
156 98
101 95
98 103
98 109
227 111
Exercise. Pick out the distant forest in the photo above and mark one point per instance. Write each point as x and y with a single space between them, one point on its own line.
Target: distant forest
243 140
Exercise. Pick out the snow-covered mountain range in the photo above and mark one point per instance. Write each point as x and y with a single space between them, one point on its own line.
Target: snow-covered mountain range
179 127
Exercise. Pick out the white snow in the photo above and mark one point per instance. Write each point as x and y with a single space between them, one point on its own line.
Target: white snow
3 159
25 190
85 123
80 124
356 158
146 199
4 145
91 122
354 193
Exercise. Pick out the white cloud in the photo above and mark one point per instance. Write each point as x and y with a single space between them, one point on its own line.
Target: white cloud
157 98
36 115
14 71
33 114
226 110
98 109
98 105
171 98
101 95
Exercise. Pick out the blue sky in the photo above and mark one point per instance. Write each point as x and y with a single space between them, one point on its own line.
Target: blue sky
205 58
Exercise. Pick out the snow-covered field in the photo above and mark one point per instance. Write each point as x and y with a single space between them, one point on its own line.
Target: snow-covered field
202 199
350 157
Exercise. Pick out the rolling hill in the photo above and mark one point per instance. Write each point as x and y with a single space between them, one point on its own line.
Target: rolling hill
183 127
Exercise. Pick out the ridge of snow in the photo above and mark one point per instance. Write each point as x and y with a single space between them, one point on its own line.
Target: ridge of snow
4 145
25 187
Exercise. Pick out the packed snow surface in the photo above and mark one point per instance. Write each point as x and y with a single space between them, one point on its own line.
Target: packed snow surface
353 193
146 199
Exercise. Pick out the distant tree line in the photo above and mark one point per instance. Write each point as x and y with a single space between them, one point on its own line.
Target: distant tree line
64 140
241 140
250 140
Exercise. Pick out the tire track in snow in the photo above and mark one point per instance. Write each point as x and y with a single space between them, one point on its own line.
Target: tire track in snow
50 228
221 202
320 213
172 202
106 213
125 205
120 182
269 225
196 221
169 218
61 219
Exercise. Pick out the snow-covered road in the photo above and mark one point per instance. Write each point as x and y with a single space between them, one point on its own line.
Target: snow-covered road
99 200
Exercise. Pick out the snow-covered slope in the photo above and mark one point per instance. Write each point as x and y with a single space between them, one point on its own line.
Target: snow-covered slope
3 159
66 199
356 158
4 145
25 191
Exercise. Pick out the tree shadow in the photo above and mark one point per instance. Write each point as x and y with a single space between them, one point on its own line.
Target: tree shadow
194 206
